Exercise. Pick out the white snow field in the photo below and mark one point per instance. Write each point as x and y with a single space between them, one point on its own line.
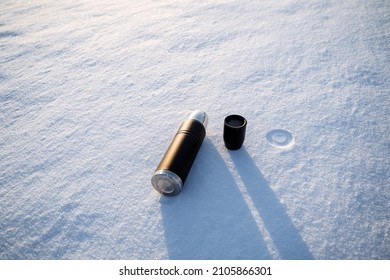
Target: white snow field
92 94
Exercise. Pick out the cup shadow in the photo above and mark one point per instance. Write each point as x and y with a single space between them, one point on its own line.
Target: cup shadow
284 234
209 219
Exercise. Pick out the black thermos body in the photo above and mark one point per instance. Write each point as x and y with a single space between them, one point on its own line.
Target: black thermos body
171 173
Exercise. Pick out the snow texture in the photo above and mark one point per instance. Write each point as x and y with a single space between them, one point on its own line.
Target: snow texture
92 94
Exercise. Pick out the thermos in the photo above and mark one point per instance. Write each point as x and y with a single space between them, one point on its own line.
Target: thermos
171 173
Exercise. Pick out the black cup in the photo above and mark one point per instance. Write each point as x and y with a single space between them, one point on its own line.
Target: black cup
234 131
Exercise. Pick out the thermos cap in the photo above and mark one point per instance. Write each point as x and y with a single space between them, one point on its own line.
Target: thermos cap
234 131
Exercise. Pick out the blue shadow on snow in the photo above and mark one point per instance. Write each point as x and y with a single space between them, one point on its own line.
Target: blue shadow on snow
284 234
209 219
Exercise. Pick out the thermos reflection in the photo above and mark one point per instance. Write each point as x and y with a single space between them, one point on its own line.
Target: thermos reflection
171 173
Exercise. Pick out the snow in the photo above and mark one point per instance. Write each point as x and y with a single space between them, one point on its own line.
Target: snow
92 93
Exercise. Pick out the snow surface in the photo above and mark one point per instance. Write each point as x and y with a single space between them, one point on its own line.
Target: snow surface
92 94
